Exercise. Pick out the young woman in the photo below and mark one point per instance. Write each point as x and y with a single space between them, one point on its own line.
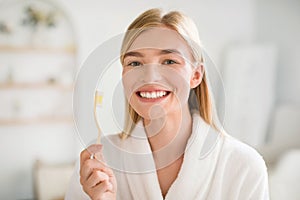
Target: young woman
172 146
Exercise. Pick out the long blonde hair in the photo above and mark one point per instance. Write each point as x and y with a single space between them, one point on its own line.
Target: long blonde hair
187 29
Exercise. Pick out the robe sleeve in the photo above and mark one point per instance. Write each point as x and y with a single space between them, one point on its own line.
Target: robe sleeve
255 183
244 175
260 189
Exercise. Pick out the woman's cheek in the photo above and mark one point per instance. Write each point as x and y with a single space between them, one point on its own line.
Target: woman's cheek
179 80
128 82
132 79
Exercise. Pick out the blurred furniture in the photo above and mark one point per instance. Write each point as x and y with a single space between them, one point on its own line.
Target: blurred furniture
283 135
51 181
37 63
38 56
284 179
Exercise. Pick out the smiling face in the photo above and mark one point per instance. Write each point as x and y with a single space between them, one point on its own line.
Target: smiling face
158 73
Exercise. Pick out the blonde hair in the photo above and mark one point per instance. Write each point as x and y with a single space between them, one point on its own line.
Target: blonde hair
188 30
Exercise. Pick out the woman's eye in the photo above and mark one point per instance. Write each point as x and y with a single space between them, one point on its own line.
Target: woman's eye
134 64
169 62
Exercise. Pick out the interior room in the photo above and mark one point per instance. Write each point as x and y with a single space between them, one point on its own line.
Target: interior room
252 44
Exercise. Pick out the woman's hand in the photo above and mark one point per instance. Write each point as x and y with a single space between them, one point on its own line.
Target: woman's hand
97 179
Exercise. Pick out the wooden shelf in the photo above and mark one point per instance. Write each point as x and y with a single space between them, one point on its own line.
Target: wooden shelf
37 120
57 86
24 49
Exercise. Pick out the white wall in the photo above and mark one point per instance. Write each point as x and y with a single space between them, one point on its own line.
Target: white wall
219 22
278 22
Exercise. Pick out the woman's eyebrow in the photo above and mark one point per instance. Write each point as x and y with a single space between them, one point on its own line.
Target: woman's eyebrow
161 52
133 53
167 51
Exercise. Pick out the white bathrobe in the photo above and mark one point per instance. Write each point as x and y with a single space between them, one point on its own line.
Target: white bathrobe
215 166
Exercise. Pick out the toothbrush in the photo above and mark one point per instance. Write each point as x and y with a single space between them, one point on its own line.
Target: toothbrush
97 103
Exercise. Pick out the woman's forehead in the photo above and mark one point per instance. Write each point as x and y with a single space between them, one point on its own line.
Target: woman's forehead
160 38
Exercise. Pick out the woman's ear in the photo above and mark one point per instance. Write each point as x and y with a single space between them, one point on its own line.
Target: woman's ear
197 75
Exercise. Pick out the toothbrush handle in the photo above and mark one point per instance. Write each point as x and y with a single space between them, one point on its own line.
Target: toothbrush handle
98 138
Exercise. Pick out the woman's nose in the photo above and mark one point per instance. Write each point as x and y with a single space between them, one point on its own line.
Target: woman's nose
151 73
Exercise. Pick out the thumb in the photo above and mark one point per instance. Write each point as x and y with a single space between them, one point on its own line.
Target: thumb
96 152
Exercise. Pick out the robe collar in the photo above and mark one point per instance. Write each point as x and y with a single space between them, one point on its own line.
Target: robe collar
139 166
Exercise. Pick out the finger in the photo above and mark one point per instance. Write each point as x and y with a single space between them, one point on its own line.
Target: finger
86 154
96 151
100 191
103 187
112 178
96 178
108 171
88 167
99 156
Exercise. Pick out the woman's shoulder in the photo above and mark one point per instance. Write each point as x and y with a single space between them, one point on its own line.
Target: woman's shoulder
242 154
242 166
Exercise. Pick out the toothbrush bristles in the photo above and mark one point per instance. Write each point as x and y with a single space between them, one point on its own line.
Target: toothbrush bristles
97 102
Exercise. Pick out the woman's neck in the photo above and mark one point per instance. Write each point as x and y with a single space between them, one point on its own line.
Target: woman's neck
169 135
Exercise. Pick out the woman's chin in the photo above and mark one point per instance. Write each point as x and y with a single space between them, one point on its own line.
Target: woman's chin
152 115
154 112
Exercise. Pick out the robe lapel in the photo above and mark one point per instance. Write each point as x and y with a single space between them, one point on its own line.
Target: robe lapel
140 167
198 168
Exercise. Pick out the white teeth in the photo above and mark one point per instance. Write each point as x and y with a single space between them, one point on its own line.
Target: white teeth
153 95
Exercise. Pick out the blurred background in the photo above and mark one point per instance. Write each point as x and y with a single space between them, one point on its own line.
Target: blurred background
255 45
